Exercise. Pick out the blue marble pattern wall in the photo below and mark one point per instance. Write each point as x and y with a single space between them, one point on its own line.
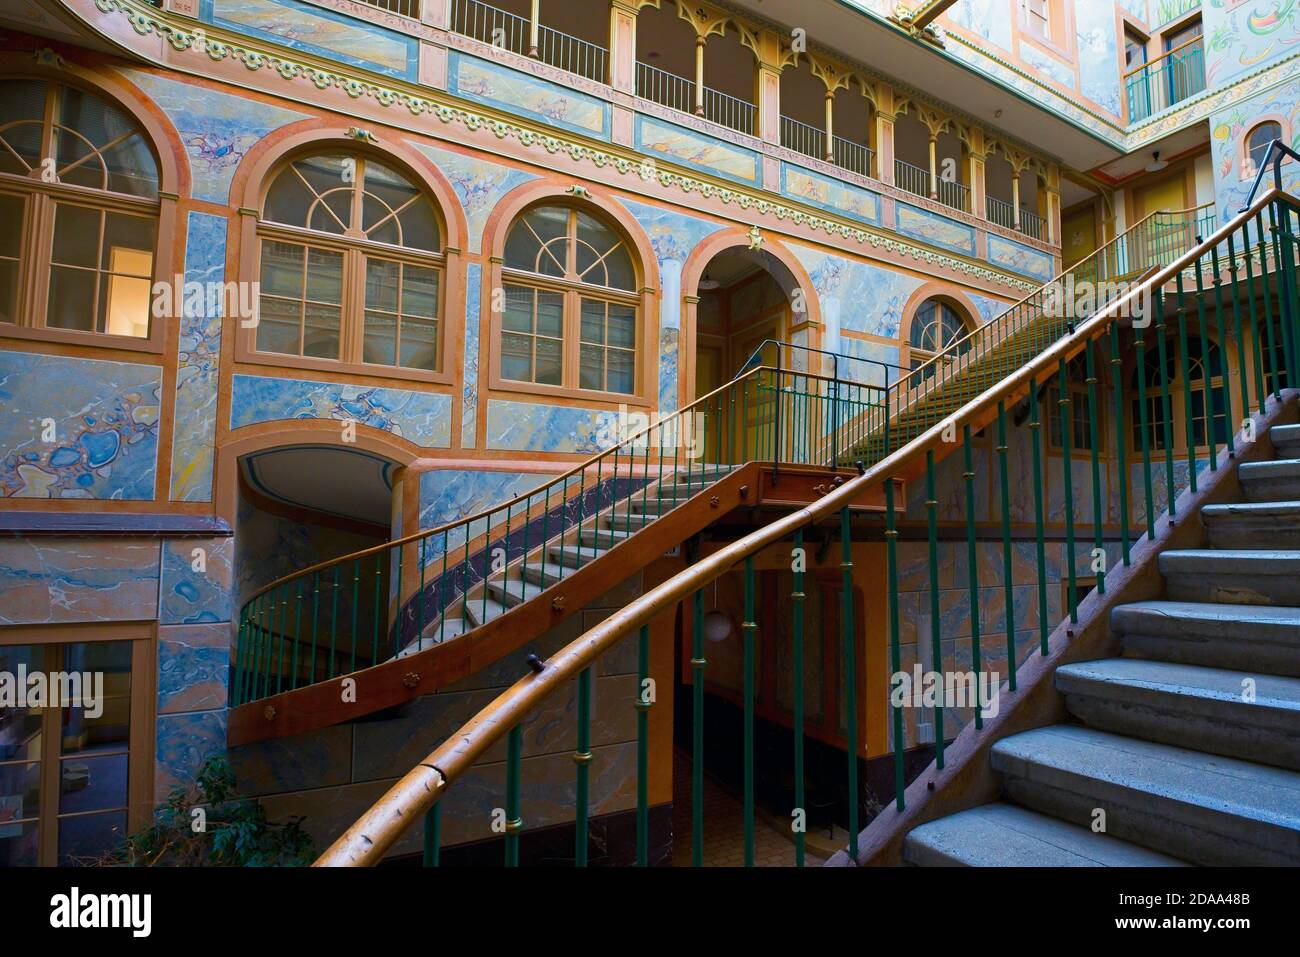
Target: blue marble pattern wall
422 417
469 369
527 95
216 129
478 184
1098 54
78 428
531 427
448 495
673 236
197 369
1242 36
1233 175
856 296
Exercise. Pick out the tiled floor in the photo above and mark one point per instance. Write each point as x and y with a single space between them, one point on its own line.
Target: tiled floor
724 834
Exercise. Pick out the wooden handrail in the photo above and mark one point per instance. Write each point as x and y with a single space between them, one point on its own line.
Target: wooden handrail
380 827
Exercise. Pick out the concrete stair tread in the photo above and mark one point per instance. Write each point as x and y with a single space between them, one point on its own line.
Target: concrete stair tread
1276 467
1004 835
1117 764
547 573
1252 509
1215 560
513 591
1129 677
1181 617
438 632
481 611
572 555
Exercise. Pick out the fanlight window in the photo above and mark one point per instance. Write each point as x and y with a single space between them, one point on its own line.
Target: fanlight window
1257 144
351 265
572 314
935 327
79 195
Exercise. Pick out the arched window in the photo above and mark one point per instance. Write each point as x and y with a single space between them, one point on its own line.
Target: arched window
1258 141
1209 399
572 313
79 213
936 326
351 266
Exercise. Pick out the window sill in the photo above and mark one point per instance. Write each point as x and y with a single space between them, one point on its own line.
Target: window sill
93 340
579 397
368 370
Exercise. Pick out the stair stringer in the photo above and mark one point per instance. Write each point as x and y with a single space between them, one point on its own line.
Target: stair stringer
968 778
401 679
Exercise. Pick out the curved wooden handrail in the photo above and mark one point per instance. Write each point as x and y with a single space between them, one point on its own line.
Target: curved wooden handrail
379 828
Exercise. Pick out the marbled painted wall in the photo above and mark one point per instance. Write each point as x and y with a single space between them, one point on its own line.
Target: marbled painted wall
1242 35
198 361
935 229
1099 58
708 154
673 235
1019 258
537 427
55 580
830 194
855 296
448 495
78 428
478 183
1233 176
530 96
217 129
470 366
422 417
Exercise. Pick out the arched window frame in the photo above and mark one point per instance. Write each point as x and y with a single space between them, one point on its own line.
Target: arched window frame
644 266
254 181
914 357
40 199
1246 161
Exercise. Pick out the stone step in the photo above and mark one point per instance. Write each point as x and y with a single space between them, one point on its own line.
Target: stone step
1003 835
572 555
631 522
1233 577
1236 713
605 538
1199 807
481 610
546 574
1249 525
512 591
1277 481
1286 441
1263 638
439 631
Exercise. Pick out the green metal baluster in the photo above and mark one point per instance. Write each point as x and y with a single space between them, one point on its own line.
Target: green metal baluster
644 700
315 623
284 621
1184 363
1261 387
747 627
433 835
697 731
1121 441
1242 376
972 562
1166 404
1067 479
1268 310
374 637
356 607
397 614
797 619
895 648
334 620
514 753
1036 444
1289 295
848 638
442 594
931 508
241 650
1008 586
297 631
1283 296
582 758
1223 359
1098 516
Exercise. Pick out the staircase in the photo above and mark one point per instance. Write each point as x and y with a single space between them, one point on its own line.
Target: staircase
1187 747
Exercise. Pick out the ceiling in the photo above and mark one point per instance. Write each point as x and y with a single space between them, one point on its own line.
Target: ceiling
346 483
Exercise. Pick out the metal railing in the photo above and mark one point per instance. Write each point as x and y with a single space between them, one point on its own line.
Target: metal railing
403 8
402 597
506 30
854 157
911 178
678 93
1237 311
1160 84
954 194
1031 224
1000 213
802 138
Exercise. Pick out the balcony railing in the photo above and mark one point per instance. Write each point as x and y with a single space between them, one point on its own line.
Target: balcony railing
1158 85
953 194
1031 224
507 31
852 156
678 93
1000 213
403 8
803 138
911 178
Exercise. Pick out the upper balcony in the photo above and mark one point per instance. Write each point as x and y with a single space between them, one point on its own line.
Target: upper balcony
1176 76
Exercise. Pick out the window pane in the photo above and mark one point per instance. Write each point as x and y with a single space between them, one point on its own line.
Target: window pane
550 314
419 344
77 162
133 233
592 368
420 227
131 167
420 292
381 338
99 719
549 362
324 276
11 224
621 374
381 284
22 100
517 358
20 728
8 291
282 269
92 783
90 835
288 200
621 327
126 305
76 235
518 315
71 303
593 321
17 841
278 326
380 226
321 331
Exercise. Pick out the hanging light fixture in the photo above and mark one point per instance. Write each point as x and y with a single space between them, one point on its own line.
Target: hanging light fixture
1156 164
707 284
717 624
